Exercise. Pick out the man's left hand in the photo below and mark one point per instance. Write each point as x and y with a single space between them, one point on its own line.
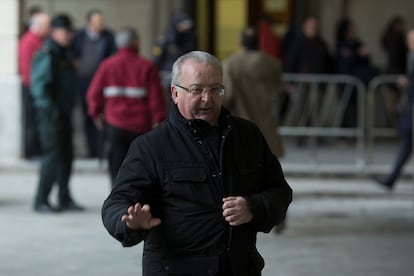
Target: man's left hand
236 210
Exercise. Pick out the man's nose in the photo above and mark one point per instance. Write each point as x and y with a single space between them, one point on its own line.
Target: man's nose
205 96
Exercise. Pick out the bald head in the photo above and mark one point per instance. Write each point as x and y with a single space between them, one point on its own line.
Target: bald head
40 24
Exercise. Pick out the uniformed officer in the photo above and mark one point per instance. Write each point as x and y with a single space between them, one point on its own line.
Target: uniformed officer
53 90
179 39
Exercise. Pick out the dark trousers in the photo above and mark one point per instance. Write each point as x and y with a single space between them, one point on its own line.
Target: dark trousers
404 152
30 133
91 133
119 141
55 132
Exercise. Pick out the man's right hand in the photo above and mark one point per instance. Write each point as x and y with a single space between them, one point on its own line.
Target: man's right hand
98 121
140 218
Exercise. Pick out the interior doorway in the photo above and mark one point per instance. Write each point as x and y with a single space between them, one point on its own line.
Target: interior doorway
220 22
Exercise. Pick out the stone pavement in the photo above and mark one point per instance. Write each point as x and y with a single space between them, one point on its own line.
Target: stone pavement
336 226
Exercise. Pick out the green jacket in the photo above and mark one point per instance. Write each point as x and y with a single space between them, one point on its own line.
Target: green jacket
53 78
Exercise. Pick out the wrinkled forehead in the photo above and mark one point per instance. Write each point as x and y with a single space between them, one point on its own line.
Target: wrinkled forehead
195 71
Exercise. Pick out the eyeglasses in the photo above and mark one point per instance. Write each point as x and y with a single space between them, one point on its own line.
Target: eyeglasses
197 90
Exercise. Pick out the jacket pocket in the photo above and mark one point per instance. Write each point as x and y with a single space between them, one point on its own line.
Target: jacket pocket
188 184
188 175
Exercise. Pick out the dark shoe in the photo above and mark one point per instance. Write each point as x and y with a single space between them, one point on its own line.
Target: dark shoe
71 207
45 208
387 185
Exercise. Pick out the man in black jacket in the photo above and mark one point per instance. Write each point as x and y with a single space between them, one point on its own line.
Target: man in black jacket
199 187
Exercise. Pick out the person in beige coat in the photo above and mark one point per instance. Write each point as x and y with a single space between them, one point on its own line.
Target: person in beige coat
252 81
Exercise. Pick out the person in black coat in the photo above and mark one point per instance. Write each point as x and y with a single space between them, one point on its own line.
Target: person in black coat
406 121
394 44
352 58
308 53
179 39
199 187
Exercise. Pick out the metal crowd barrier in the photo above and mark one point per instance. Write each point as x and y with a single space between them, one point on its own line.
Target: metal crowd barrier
317 110
384 85
383 91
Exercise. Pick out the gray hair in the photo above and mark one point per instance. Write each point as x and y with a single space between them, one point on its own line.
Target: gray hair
39 19
127 36
198 56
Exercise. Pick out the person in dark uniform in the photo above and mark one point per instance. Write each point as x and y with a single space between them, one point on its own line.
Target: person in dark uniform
53 90
179 39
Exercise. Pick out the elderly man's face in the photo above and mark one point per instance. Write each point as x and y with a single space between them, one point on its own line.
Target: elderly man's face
206 106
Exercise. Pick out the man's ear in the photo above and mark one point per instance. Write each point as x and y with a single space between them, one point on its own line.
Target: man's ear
174 93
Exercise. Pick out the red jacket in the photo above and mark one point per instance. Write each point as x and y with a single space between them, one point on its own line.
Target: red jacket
127 89
269 41
29 44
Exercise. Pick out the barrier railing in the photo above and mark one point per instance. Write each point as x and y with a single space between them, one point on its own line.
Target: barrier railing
318 108
383 91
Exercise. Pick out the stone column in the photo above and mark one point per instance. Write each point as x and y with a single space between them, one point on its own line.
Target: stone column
10 103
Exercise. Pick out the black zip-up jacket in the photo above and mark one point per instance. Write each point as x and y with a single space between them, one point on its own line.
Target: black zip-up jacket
172 168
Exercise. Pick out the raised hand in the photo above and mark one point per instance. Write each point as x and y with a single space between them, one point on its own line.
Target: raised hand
140 217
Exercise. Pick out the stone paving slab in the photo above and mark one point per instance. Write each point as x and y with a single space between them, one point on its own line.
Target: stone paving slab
336 226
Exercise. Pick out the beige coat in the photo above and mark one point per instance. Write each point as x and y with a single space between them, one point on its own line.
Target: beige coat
252 80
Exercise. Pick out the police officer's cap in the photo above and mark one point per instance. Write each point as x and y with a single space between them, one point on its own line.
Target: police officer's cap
62 21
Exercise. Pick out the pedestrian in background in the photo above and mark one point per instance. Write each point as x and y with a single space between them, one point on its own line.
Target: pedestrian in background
53 90
90 47
126 94
309 52
352 58
393 41
29 44
179 39
199 187
352 54
406 120
269 40
253 82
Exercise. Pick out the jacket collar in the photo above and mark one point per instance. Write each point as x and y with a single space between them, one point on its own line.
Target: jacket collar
193 125
54 46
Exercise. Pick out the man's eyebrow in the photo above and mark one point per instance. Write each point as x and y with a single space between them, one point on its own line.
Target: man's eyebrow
208 85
